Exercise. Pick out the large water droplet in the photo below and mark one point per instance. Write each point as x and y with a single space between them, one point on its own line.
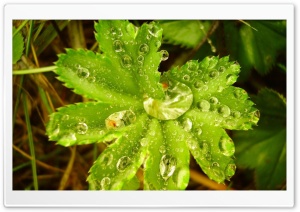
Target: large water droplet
178 100
226 146
83 73
186 77
126 61
105 182
120 119
224 111
123 163
144 48
203 105
164 55
153 30
197 84
187 124
167 166
81 128
118 46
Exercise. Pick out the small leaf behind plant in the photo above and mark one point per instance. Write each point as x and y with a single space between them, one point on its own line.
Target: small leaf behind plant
18 46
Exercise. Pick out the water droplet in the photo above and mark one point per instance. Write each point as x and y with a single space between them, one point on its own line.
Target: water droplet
197 84
118 46
231 79
101 132
113 31
140 58
221 69
257 114
217 171
65 117
203 105
205 147
144 48
81 128
236 114
226 146
192 66
154 30
178 100
120 119
187 124
167 166
83 73
196 154
208 156
157 44
164 55
230 170
213 100
162 149
213 73
126 61
224 111
105 182
199 132
186 77
144 141
106 159
56 130
123 163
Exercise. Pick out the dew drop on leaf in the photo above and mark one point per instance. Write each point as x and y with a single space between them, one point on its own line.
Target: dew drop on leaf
144 48
197 84
186 77
224 111
187 124
208 156
120 119
164 55
144 141
205 147
83 73
106 159
199 132
213 100
217 171
204 105
162 149
105 182
230 170
213 74
81 128
167 166
153 30
230 79
118 46
65 117
236 114
192 66
226 146
126 61
221 69
178 100
123 163
140 59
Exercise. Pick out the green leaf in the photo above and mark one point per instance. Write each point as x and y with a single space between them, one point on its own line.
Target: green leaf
94 76
187 33
18 46
119 162
167 164
86 123
256 49
133 52
264 148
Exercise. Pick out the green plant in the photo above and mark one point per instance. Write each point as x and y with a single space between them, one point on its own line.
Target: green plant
147 119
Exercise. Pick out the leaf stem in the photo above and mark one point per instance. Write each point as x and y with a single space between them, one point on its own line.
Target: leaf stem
34 71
